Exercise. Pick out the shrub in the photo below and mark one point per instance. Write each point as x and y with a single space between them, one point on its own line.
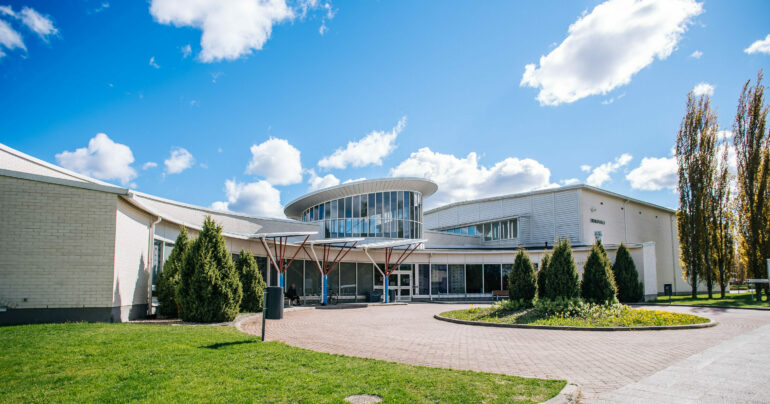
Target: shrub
522 284
626 277
210 290
168 281
559 306
542 275
598 285
251 281
561 276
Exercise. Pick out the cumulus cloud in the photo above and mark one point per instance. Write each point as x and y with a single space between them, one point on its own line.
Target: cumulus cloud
39 24
654 174
254 198
230 29
148 165
369 150
353 180
463 178
316 182
697 54
607 46
186 51
703 89
102 159
759 46
570 181
9 38
602 174
179 160
277 161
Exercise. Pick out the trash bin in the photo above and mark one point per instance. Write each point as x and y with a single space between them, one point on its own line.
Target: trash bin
375 296
273 309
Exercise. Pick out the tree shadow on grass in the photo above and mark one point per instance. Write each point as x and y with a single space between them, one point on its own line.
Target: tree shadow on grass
226 344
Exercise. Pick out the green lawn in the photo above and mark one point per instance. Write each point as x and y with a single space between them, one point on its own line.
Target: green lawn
159 363
730 300
625 317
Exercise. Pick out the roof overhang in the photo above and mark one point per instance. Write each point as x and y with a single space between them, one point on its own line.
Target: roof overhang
295 208
391 243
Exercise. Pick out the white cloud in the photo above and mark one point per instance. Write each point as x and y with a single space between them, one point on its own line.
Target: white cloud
9 38
462 179
703 89
41 25
179 160
148 165
186 51
601 174
585 168
7 10
369 150
102 159
277 161
316 182
606 47
254 198
759 46
654 174
231 29
570 181
353 180
697 54
153 63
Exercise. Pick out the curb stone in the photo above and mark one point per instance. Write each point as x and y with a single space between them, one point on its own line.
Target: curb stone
711 323
568 395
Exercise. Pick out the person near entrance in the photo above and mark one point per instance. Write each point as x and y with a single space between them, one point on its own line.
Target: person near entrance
292 295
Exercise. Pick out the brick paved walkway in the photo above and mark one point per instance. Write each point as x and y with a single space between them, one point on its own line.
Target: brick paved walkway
598 361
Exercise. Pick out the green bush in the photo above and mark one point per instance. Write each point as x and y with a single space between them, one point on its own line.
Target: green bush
210 290
542 275
251 281
561 275
168 281
630 290
559 306
522 283
598 285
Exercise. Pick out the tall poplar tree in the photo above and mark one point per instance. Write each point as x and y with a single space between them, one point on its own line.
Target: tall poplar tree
722 225
750 138
697 164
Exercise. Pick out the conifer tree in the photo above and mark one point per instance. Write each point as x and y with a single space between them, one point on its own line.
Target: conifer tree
251 280
522 282
630 289
168 281
561 276
542 275
598 284
210 289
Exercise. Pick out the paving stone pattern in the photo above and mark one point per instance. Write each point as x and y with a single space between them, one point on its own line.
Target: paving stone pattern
599 362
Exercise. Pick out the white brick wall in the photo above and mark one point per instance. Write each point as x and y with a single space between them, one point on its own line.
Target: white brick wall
56 245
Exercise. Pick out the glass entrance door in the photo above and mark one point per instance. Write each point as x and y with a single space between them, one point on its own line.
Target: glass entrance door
399 284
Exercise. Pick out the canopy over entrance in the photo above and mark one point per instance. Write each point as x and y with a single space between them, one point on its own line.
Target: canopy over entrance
407 247
326 264
279 256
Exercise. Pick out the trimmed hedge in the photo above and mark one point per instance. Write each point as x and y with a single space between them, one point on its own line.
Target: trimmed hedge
251 281
522 284
210 289
598 284
169 278
630 290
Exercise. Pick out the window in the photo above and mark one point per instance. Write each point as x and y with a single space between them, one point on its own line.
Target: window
364 206
365 278
386 205
424 279
321 211
504 230
438 279
348 207
348 228
515 228
400 212
457 279
379 203
492 278
507 268
394 205
356 227
340 208
371 208
357 206
312 280
347 279
294 274
473 278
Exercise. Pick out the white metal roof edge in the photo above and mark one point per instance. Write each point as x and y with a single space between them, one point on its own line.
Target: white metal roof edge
392 243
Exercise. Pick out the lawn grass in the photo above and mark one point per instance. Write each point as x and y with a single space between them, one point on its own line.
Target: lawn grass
82 362
730 300
627 317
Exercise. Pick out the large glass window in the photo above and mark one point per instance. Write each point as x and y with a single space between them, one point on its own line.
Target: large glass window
378 205
491 278
386 205
457 279
507 268
312 280
357 206
294 274
439 279
473 278
364 206
348 207
365 278
424 279
393 205
347 278
334 280
400 212
340 208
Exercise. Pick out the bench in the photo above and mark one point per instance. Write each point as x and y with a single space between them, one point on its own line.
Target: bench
499 294
757 286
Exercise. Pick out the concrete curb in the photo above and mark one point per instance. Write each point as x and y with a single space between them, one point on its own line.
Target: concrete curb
568 395
700 305
711 323
358 305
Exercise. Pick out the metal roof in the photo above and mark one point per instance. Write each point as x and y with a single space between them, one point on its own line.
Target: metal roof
335 240
392 243
295 208
285 234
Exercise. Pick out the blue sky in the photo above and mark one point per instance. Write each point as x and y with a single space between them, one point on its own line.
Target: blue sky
368 89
